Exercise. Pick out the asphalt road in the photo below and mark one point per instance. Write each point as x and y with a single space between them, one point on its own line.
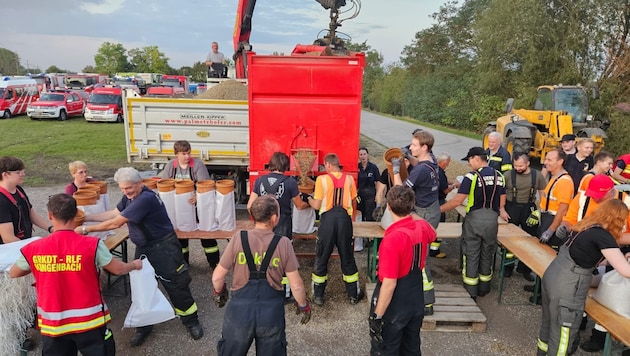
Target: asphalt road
397 133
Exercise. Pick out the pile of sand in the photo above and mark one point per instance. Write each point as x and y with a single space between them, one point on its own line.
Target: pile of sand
227 90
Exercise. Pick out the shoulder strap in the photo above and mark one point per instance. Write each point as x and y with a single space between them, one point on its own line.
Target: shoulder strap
10 197
551 188
273 188
532 189
513 176
253 272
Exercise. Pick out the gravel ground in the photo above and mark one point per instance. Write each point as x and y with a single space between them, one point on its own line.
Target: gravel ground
337 328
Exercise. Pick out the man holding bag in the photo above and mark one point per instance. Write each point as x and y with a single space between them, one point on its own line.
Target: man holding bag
66 261
259 259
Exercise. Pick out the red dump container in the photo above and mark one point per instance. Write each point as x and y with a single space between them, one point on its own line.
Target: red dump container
304 103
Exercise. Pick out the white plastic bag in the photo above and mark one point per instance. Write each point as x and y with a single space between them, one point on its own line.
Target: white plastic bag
185 212
613 292
303 220
206 207
148 305
226 211
168 198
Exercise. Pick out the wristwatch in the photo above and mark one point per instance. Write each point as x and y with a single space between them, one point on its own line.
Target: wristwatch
84 230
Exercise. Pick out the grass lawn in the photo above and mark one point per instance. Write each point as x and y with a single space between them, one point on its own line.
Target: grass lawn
47 146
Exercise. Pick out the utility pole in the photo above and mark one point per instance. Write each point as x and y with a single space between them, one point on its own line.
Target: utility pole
17 64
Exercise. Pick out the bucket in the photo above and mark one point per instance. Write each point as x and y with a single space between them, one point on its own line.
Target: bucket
166 185
85 197
93 187
184 186
225 186
307 186
79 219
204 186
387 157
102 184
150 183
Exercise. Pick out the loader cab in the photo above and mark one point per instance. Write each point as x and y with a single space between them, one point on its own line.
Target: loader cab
572 99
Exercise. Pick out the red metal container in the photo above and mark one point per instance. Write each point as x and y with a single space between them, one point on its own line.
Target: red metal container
306 103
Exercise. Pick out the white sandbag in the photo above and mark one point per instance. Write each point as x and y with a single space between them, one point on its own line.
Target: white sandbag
358 242
303 220
598 277
95 209
226 211
168 198
148 305
387 219
206 210
106 201
185 212
613 292
17 301
10 252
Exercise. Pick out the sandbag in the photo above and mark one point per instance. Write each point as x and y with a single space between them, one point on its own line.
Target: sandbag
303 220
168 198
148 305
226 211
206 210
185 212
613 292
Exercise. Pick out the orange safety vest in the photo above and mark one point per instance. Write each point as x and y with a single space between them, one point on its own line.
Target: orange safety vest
69 299
626 159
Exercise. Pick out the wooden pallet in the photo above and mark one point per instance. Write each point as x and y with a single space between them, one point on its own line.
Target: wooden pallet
454 311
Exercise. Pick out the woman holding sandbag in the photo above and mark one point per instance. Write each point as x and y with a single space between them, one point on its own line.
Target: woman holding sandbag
566 281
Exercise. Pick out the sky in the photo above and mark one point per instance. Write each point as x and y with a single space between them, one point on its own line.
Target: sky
67 33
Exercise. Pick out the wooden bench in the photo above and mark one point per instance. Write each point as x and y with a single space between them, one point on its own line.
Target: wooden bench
113 243
538 257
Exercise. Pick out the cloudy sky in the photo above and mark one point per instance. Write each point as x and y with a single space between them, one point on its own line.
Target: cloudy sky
67 33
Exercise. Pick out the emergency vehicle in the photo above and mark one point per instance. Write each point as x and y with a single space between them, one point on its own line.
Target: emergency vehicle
15 95
105 104
126 82
178 82
59 104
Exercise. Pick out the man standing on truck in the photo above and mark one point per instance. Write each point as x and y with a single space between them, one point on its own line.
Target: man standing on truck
214 61
184 166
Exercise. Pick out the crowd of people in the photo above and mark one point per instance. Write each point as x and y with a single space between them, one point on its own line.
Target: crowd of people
571 205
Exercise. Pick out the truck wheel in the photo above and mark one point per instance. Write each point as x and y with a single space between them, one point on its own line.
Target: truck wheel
517 145
486 132
119 118
63 116
6 114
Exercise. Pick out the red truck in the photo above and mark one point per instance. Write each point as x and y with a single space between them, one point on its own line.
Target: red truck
105 104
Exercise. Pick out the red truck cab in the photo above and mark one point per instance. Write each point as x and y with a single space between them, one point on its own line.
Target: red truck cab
179 83
16 94
105 104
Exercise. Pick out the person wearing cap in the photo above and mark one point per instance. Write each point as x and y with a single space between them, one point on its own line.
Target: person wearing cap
498 157
568 144
566 281
485 189
423 179
602 164
580 162
621 174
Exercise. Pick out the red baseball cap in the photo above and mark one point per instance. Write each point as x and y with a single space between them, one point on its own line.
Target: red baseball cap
599 186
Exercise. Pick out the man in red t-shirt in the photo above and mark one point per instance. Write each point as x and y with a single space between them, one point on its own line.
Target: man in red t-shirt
397 306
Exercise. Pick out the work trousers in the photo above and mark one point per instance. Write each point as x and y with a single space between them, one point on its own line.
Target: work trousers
210 248
165 255
367 203
335 229
432 215
564 289
285 226
89 343
519 213
479 245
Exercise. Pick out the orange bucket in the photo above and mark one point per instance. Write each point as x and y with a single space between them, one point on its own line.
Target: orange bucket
225 186
184 186
150 183
93 187
102 185
85 197
166 185
204 186
307 187
79 219
387 157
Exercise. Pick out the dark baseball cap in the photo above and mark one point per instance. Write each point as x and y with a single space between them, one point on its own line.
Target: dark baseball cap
475 151
568 137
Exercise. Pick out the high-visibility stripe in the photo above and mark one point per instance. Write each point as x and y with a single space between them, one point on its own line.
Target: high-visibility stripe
351 278
435 245
73 313
52 330
427 285
506 167
189 311
468 280
496 158
542 346
285 280
563 344
212 249
485 278
509 255
319 279
471 194
185 249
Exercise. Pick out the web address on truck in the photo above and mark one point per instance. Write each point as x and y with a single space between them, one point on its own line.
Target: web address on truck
203 121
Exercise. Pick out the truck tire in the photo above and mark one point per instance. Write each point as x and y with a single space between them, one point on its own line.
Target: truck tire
119 119
63 116
486 132
517 145
6 114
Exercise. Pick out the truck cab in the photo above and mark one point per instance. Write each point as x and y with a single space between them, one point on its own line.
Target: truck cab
179 83
105 105
15 95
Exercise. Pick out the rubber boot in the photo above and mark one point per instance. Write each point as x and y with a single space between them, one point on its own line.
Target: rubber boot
186 256
595 343
318 293
213 259
354 292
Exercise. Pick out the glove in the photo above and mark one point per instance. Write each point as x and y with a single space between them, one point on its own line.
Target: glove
533 219
375 212
396 165
544 238
220 298
562 232
406 152
305 311
376 328
304 197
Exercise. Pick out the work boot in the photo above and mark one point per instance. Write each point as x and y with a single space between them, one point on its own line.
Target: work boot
595 343
529 288
141 335
195 331
529 276
318 293
508 271
354 291
583 323
355 300
428 309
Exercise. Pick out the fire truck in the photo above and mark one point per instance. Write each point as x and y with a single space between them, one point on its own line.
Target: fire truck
16 93
105 104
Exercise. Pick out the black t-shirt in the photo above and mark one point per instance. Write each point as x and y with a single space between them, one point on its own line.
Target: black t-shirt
488 187
586 248
443 183
367 177
423 179
19 216
285 191
577 169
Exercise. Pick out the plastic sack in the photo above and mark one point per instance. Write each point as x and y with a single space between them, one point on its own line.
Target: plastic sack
303 220
226 211
387 219
185 212
168 198
613 292
148 305
206 207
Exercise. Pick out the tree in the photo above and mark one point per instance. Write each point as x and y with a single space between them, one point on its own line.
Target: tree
199 72
149 60
89 69
111 58
54 69
373 72
9 62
